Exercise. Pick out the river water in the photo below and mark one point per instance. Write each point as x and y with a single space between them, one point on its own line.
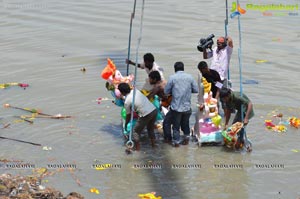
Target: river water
45 43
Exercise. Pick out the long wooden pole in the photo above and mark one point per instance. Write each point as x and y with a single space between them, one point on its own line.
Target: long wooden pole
17 140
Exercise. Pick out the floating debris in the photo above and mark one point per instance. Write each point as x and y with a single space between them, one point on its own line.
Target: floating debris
83 69
261 61
30 187
6 85
94 190
250 81
25 120
282 125
47 148
74 195
277 128
6 125
100 99
31 110
36 113
276 39
149 196
57 116
40 171
294 122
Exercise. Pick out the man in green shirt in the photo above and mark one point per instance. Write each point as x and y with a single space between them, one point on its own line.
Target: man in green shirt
242 104
235 101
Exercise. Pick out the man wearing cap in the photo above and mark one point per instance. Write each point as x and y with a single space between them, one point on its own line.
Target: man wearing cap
220 57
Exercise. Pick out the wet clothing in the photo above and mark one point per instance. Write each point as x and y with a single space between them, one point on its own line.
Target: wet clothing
181 86
147 114
239 103
142 106
148 121
181 120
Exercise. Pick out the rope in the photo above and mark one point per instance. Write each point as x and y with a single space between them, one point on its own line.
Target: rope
244 134
240 62
226 20
226 25
130 143
129 40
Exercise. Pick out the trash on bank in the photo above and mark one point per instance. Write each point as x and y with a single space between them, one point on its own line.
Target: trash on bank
29 187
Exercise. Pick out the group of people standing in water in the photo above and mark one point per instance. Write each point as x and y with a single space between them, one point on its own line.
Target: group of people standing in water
176 93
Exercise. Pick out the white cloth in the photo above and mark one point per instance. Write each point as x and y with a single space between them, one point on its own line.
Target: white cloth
220 60
154 68
147 86
142 106
199 114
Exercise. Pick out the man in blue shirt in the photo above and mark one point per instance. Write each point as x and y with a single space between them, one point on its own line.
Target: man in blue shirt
181 86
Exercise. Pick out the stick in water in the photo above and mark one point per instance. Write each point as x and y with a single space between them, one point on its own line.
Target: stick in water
26 120
25 109
20 141
58 116
5 125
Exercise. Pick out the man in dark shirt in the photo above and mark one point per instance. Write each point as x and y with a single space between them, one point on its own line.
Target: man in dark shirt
241 103
211 76
244 107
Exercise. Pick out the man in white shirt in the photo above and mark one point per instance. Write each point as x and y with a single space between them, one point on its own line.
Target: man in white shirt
221 57
200 105
149 65
145 110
